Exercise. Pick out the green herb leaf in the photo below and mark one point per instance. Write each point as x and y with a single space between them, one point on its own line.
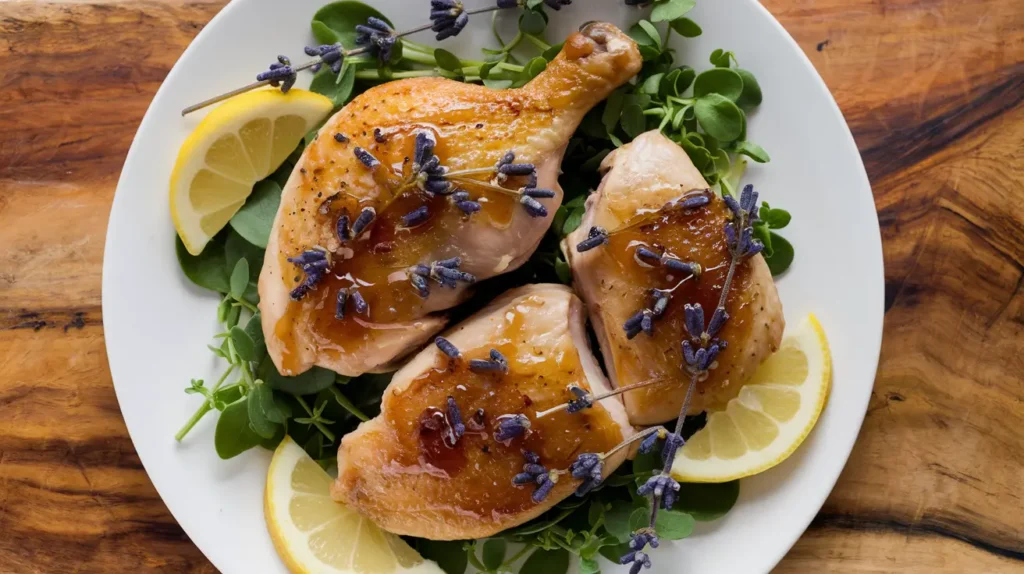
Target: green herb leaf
336 87
572 221
673 525
207 269
751 96
722 58
260 402
685 27
719 117
613 109
239 278
256 217
633 121
336 22
232 319
723 81
243 344
614 552
308 383
254 328
447 61
553 51
761 232
616 520
533 22
773 217
666 10
449 555
707 501
782 255
498 84
595 515
594 162
534 67
589 566
347 404
652 84
753 151
640 517
233 435
493 553
651 32
547 561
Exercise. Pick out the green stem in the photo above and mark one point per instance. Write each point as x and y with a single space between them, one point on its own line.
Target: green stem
205 408
374 74
419 57
655 112
508 563
544 46
319 426
245 303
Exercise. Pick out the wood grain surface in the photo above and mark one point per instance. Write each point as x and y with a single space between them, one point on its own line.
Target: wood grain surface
932 90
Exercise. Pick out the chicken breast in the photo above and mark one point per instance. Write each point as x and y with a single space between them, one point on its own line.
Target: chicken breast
345 295
641 179
401 469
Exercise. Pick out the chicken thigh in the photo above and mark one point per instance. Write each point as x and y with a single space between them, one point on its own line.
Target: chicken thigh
638 203
413 191
422 469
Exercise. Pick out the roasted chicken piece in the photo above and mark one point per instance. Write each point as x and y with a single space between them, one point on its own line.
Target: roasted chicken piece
411 192
640 203
411 472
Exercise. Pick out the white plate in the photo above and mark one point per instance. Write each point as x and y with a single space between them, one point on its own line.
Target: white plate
157 324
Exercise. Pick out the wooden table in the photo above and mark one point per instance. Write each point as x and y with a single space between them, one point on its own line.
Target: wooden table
932 90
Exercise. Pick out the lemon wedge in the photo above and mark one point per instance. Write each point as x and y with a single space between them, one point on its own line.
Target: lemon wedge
769 418
313 533
237 144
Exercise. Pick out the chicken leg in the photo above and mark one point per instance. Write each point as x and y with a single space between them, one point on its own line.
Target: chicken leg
413 191
413 473
638 204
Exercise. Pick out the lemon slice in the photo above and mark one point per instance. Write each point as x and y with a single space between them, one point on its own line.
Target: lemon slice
237 144
313 533
769 418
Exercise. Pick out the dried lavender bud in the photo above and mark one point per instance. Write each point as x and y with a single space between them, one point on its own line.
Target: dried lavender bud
589 467
648 256
339 306
314 264
538 193
447 347
689 355
637 559
437 185
329 54
489 366
509 157
583 400
517 169
748 199
358 302
416 216
641 538
378 136
663 487
366 216
377 38
280 74
674 264
673 442
632 325
511 426
596 237
648 444
695 201
340 138
661 299
450 277
448 18
557 4
344 233
718 319
450 263
544 486
454 419
423 150
647 324
419 283
508 4
533 207
366 158
694 319
468 207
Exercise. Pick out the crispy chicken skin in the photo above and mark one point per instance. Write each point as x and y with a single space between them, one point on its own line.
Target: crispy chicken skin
399 470
640 179
473 127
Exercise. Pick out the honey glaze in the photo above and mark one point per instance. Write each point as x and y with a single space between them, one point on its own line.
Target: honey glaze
690 235
376 262
478 467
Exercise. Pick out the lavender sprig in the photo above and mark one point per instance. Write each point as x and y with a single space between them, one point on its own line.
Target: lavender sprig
699 351
496 364
445 272
314 264
511 426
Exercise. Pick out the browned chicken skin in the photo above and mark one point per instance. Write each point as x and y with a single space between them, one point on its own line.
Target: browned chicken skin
641 178
473 127
401 470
